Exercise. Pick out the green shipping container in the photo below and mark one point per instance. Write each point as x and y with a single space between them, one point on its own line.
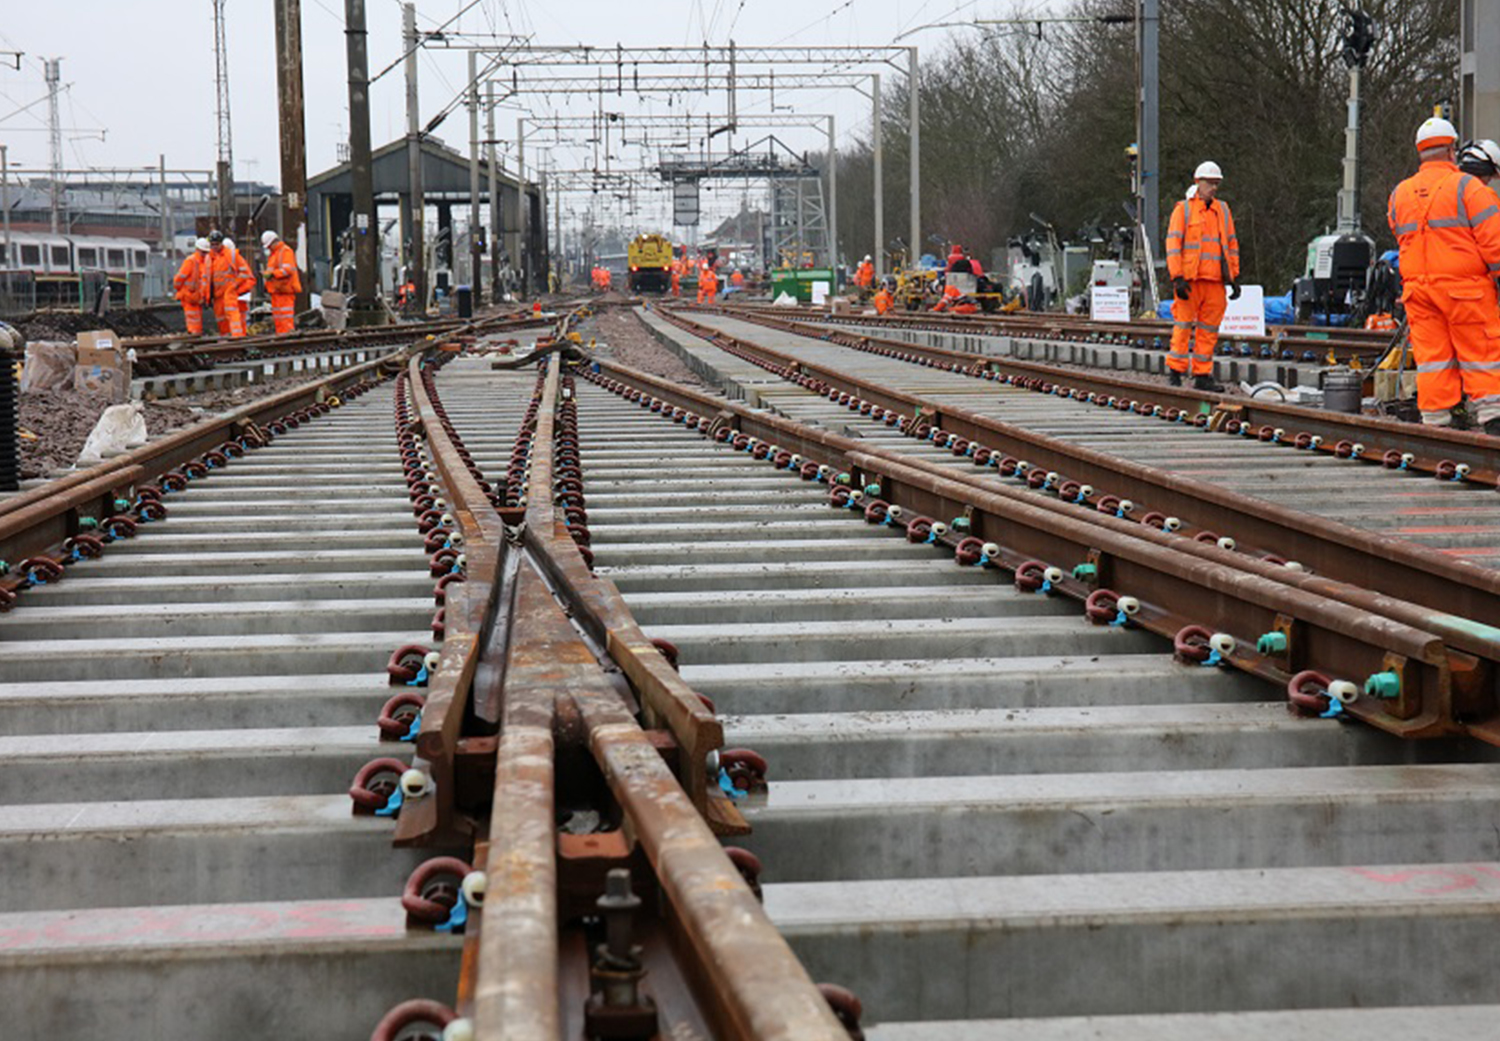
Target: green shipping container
798 283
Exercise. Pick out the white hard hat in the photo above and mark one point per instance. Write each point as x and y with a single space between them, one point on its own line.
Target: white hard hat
1483 151
1435 132
201 245
1208 171
229 243
266 238
867 256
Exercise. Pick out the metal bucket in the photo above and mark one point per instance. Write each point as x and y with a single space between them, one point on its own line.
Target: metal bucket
1343 390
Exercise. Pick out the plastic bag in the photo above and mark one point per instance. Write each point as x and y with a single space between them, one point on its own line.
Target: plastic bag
48 366
784 300
121 427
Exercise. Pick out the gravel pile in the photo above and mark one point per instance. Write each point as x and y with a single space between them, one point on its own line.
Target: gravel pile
64 325
624 338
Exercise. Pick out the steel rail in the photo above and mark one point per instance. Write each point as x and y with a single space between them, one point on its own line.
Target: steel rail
471 607
1431 447
1071 328
1185 582
1329 547
598 607
743 975
41 518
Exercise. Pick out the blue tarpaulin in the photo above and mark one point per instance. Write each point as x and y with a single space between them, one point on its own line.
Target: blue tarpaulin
1279 311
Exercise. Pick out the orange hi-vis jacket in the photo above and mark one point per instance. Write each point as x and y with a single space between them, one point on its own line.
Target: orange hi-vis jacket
223 279
281 270
1441 218
1201 243
246 273
190 282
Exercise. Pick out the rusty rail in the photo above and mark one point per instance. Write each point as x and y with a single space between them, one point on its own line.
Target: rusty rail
1365 343
731 970
1441 584
1432 448
39 520
1337 628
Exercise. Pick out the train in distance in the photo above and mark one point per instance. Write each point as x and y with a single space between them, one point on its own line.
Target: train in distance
650 260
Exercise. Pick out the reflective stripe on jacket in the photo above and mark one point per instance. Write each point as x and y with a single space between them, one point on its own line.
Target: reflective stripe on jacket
281 270
1201 243
223 275
188 282
1444 221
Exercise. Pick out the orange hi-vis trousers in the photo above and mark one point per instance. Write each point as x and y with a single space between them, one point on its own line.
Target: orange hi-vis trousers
1195 327
1455 343
192 315
284 312
231 320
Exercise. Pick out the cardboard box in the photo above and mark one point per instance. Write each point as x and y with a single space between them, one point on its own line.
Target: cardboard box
101 347
101 367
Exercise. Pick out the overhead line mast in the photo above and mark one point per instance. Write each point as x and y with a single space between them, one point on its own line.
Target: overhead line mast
225 135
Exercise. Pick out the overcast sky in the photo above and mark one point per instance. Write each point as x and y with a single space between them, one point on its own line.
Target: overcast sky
143 70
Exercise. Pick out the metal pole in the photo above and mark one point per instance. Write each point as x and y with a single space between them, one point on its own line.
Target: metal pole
166 219
1149 159
833 202
496 243
914 250
559 255
52 69
544 254
523 205
10 258
1349 195
293 138
364 306
875 138
416 258
476 255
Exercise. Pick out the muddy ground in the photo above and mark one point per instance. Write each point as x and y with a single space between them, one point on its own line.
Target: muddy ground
54 424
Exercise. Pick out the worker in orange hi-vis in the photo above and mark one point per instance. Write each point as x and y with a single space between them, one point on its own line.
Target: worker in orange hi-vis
708 285
884 301
948 299
283 282
864 276
244 286
737 279
1203 256
223 286
191 284
1445 224
676 281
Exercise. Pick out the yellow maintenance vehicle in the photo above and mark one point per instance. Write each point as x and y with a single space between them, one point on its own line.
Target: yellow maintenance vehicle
649 260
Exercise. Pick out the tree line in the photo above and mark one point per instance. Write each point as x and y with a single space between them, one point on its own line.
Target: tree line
1022 120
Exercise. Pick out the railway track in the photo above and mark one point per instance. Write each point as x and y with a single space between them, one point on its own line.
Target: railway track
1437 514
981 749
982 807
165 355
1290 343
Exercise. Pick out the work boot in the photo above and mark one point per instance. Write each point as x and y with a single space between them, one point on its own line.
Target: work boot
1492 427
1208 383
1174 377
